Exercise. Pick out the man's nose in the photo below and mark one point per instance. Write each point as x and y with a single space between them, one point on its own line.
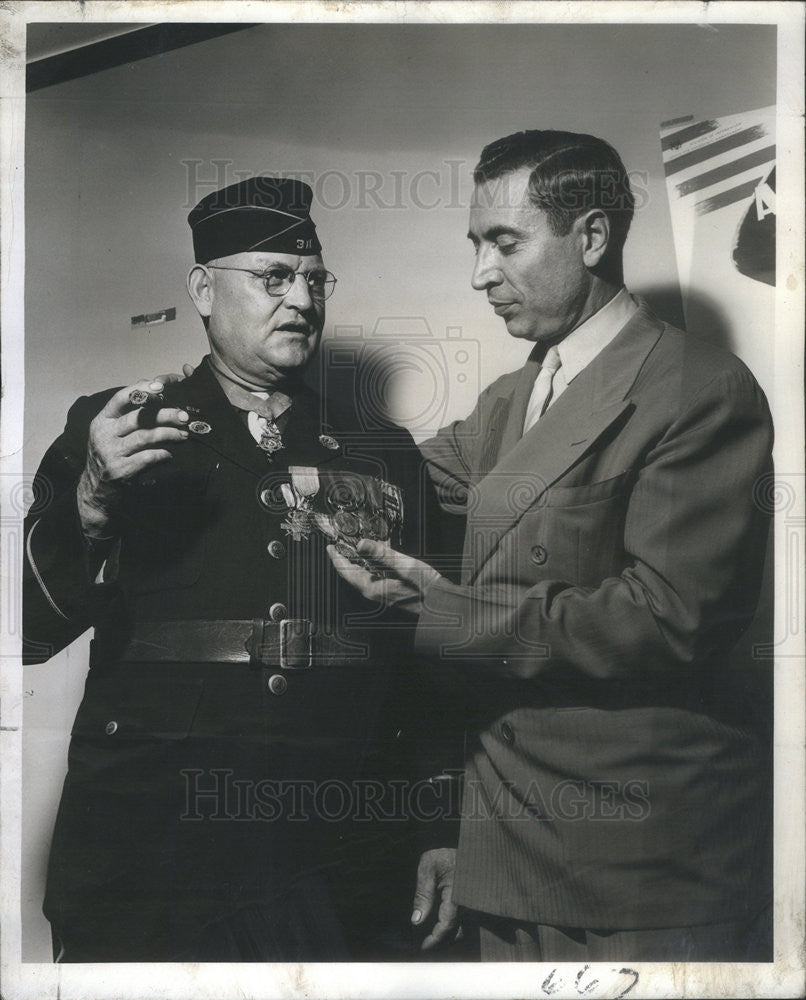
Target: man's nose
299 295
485 273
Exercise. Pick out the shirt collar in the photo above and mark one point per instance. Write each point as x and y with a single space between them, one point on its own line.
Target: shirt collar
582 345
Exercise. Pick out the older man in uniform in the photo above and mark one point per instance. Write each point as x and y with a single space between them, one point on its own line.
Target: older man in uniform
236 685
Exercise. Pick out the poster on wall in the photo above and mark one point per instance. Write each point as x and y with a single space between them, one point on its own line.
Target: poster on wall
720 180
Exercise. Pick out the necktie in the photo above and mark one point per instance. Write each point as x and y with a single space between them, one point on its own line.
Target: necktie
541 393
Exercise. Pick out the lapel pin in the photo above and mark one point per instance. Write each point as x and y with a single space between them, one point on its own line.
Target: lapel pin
328 442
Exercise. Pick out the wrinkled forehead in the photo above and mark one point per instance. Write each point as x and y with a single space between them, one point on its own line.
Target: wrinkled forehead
257 260
503 203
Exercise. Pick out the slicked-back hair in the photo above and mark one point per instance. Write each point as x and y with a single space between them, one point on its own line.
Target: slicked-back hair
571 173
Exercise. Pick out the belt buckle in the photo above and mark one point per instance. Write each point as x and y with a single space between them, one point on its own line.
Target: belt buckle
292 630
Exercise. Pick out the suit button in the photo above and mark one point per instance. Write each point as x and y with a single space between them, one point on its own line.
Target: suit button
277 612
278 684
539 554
276 549
507 735
111 728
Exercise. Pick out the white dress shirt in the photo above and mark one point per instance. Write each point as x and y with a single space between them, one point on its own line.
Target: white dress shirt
582 345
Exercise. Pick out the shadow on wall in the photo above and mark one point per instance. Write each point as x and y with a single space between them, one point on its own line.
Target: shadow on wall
704 317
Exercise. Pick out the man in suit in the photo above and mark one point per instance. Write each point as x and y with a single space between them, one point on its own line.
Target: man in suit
237 690
614 802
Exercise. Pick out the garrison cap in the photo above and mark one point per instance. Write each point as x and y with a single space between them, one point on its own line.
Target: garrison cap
261 213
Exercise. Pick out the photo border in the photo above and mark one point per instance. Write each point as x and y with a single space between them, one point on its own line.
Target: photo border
782 978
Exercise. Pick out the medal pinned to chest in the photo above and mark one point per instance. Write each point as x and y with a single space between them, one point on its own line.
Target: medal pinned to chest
345 507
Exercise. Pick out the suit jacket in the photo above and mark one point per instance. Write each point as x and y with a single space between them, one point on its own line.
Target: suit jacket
172 813
613 556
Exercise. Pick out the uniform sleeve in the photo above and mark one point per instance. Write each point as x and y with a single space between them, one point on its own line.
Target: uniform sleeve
694 538
58 594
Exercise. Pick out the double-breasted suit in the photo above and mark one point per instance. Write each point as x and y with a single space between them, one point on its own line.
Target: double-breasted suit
177 808
613 557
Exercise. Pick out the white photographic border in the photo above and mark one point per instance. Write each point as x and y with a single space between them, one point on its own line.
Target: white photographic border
782 978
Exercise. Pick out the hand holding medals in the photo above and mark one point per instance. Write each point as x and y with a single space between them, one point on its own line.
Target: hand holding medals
385 576
344 506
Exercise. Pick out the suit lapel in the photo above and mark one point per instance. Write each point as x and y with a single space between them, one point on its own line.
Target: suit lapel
519 404
596 398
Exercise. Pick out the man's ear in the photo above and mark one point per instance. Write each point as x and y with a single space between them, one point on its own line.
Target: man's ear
595 231
200 289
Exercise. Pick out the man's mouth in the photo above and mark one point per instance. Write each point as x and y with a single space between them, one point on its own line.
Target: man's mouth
302 329
500 307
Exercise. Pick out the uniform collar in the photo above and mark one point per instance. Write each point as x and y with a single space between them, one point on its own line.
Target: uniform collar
236 391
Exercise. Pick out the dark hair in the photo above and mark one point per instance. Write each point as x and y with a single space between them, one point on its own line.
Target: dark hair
571 173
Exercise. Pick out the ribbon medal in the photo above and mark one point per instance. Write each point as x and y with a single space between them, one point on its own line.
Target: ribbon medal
299 496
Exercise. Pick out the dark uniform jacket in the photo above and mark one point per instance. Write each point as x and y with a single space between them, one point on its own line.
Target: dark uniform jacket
613 557
196 789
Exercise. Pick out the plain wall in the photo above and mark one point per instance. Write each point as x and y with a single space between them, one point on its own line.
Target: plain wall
114 162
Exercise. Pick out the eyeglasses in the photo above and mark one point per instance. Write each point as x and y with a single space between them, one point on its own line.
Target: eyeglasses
278 281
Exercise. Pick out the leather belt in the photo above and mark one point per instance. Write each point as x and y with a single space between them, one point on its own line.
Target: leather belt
292 644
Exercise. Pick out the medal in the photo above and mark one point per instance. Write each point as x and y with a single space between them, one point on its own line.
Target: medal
298 495
297 524
347 524
325 524
270 438
305 480
329 442
346 493
376 527
393 507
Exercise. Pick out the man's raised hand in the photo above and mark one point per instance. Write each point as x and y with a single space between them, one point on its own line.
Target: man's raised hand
120 446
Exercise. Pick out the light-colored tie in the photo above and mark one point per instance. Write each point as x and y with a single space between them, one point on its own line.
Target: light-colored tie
541 393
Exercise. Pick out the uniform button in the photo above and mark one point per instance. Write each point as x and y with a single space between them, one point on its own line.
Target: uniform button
278 684
277 612
507 735
111 727
276 549
539 554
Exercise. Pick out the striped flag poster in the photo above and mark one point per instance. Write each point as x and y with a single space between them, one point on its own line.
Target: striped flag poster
720 182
